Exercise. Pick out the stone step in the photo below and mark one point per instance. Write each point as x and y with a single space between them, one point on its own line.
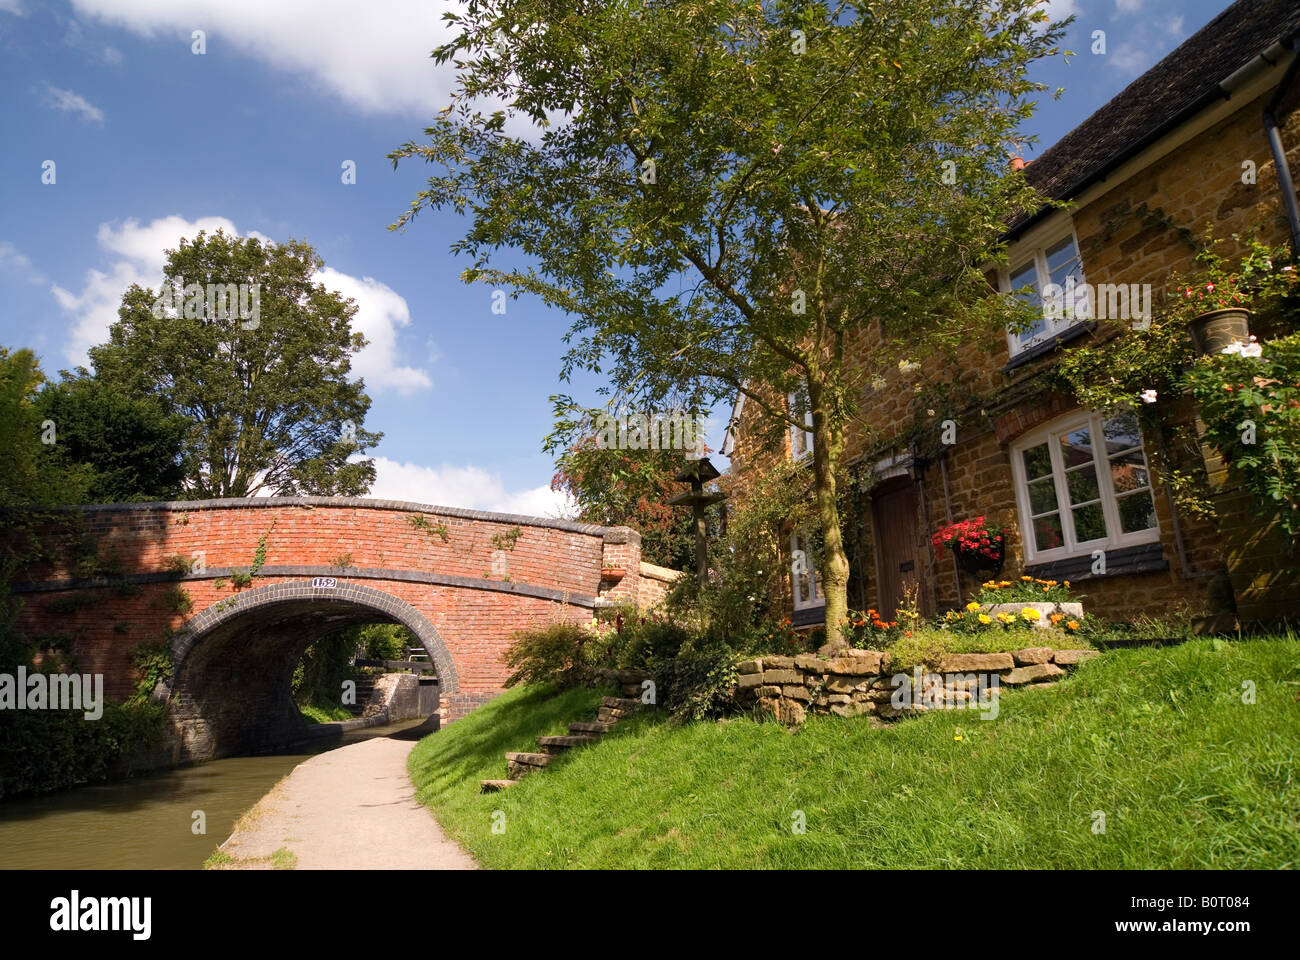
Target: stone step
621 703
610 715
592 726
492 786
556 745
517 769
529 759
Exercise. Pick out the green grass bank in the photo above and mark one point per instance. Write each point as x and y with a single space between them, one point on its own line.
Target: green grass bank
1158 739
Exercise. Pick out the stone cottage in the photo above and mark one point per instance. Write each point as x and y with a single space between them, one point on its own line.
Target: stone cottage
1192 141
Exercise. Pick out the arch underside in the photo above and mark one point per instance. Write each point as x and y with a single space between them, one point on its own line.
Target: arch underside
233 665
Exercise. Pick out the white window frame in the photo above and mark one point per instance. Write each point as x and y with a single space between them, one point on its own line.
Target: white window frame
807 590
801 441
1036 250
1105 485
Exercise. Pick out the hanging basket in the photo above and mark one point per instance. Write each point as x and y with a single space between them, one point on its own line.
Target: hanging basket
978 564
1213 331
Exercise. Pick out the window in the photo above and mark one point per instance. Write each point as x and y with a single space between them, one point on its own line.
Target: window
1053 275
1082 484
807 582
801 441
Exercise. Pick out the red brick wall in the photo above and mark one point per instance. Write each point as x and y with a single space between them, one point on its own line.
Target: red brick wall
474 621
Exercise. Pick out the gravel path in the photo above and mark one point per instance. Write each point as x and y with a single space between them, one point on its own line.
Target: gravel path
352 808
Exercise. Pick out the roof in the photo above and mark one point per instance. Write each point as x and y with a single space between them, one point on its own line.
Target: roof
1181 84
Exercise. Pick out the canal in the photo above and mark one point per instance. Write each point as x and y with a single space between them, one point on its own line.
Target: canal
146 822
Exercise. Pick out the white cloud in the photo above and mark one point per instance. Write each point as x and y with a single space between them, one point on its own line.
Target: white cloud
372 55
71 102
11 258
468 486
138 254
380 311
12 6
1128 6
1060 9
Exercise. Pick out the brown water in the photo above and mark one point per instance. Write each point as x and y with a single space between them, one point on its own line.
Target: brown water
146 822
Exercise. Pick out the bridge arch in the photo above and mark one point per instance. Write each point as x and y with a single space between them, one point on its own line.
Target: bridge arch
232 663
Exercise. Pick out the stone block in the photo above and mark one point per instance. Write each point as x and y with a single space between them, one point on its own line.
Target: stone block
1071 657
1031 655
856 666
851 709
1032 673
810 662
975 662
781 676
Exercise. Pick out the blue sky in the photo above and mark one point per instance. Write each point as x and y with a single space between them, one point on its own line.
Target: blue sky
152 141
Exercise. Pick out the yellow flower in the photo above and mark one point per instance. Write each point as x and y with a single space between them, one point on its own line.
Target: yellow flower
1073 624
1067 584
1026 578
985 618
1005 617
1029 613
1005 583
972 606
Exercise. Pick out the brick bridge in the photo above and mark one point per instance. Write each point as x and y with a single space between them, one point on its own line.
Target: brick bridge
461 580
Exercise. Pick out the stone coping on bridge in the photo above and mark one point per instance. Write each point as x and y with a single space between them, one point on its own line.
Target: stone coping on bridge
612 534
312 571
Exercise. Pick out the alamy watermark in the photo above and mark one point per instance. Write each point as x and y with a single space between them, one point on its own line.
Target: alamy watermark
1103 301
652 431
53 691
211 301
956 691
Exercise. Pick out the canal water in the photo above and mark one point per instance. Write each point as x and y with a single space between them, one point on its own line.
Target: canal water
146 822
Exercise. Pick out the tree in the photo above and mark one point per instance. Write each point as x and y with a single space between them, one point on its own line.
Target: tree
31 474
727 195
131 442
614 487
264 384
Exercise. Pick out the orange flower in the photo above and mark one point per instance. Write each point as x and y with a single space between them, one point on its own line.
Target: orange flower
1073 624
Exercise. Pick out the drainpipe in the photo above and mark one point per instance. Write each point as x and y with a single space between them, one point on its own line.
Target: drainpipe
1284 181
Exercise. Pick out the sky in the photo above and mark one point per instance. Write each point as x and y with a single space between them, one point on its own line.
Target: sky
152 141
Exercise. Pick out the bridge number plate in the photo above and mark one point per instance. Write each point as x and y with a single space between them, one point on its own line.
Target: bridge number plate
328 582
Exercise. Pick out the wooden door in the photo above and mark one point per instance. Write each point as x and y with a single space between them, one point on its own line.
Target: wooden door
900 552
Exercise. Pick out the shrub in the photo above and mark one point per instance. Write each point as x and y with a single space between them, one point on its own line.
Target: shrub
385 641
697 684
324 666
560 653
1249 398
643 642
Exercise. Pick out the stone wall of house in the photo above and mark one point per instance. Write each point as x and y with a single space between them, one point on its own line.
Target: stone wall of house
861 682
1129 234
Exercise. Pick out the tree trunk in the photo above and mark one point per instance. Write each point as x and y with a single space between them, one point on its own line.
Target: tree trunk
828 444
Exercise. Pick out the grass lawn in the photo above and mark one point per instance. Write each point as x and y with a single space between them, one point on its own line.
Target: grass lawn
1156 738
324 713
